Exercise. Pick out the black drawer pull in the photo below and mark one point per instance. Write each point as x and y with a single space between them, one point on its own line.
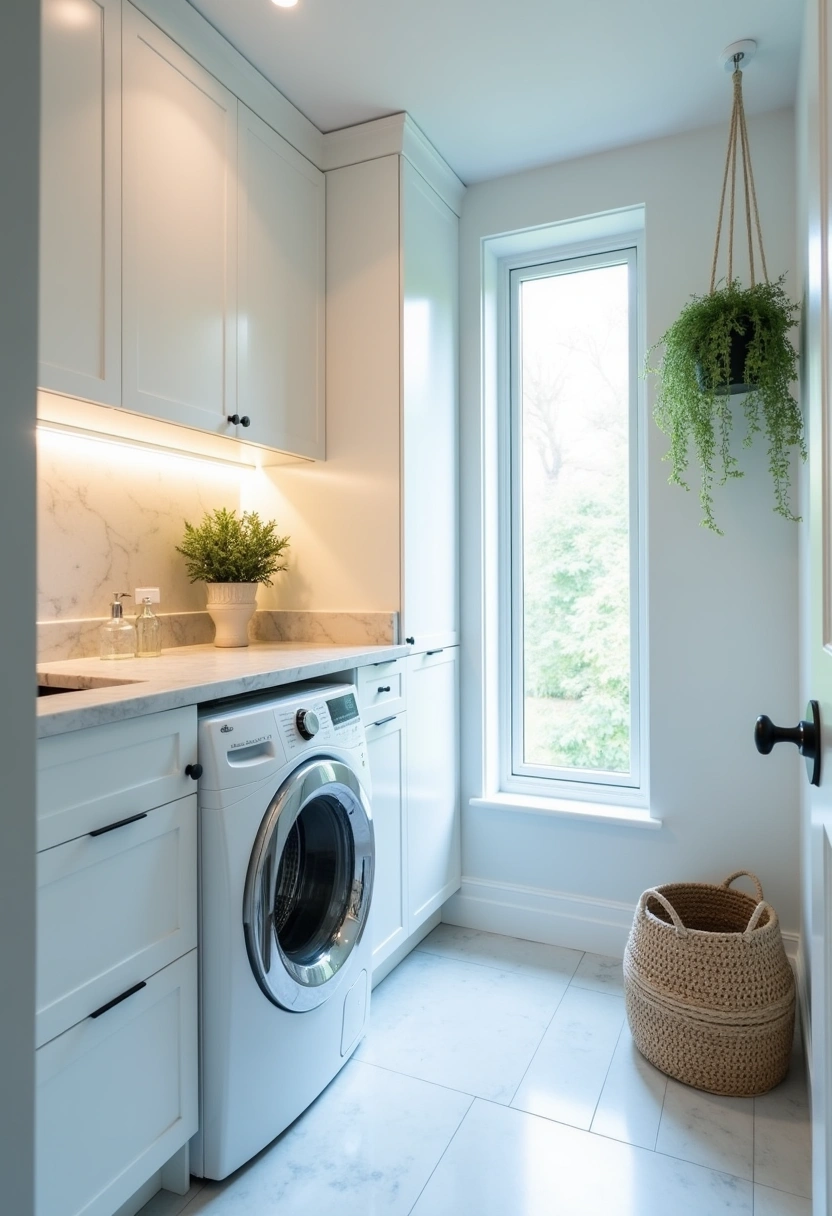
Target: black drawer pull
194 771
117 1000
111 827
428 653
384 687
410 641
383 720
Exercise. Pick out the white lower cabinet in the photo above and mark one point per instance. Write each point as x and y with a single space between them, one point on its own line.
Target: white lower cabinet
388 924
116 1059
433 852
117 1096
414 766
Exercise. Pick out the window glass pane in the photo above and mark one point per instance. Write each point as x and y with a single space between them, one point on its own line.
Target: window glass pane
574 343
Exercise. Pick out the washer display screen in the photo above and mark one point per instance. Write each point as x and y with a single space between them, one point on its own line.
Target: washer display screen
342 709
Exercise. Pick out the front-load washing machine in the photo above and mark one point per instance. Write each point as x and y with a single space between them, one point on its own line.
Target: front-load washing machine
286 879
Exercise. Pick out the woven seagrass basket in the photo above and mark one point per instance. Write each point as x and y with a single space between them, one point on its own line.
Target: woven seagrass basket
709 991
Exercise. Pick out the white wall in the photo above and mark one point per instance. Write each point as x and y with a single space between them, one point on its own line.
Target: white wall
722 611
19 101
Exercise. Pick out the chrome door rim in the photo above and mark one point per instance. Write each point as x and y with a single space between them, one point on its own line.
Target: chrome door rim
290 984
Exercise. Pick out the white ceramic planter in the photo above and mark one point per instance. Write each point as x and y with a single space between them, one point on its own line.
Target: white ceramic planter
231 606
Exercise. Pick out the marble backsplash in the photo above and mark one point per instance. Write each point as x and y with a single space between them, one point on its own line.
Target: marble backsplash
79 639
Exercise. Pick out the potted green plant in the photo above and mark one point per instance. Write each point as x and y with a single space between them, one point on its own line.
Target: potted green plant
733 340
232 555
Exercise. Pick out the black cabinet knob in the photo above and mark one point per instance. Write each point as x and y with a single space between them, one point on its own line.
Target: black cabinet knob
410 641
194 771
238 420
806 736
384 687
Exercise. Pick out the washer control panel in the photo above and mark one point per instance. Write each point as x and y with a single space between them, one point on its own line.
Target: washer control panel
322 718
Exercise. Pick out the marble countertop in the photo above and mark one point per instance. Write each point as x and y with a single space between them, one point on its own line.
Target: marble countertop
112 691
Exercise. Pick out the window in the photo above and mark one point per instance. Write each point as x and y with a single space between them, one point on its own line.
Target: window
571 570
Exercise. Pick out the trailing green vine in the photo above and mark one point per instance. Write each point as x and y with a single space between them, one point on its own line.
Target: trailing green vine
693 406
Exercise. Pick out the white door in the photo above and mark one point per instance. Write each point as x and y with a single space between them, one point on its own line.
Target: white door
180 195
430 239
433 856
282 237
388 925
80 203
816 215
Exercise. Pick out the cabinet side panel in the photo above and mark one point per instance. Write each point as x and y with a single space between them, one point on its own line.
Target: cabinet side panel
343 515
430 233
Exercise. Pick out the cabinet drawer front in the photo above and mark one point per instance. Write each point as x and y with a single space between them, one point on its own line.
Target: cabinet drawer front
117 1096
89 779
382 690
113 909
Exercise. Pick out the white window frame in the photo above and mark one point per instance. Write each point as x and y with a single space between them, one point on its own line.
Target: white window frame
515 776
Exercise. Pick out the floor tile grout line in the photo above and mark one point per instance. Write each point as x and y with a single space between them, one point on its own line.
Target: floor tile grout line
436 1084
442 1155
661 1112
491 966
606 1075
539 1044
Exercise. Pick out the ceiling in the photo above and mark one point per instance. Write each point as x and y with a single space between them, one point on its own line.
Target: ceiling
499 87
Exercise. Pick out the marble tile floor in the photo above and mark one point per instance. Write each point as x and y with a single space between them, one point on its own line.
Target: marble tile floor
498 1076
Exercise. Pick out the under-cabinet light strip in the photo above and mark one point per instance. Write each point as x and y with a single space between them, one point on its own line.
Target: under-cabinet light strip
61 428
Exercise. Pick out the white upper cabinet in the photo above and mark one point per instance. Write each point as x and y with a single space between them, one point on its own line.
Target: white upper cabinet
430 240
180 231
281 303
80 219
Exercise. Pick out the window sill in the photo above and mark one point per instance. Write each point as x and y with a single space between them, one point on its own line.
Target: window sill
588 812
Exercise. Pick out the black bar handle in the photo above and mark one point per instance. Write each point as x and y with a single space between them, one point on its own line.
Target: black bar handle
428 653
384 687
384 720
194 771
111 827
117 1000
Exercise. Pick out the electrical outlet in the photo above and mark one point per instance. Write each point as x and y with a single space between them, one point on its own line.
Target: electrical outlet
147 593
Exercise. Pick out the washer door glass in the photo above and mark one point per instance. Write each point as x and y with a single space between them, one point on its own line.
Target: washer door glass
309 884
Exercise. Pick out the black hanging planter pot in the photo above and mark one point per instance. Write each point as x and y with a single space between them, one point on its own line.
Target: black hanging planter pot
740 343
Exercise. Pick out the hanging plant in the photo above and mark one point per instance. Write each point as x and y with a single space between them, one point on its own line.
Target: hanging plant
732 341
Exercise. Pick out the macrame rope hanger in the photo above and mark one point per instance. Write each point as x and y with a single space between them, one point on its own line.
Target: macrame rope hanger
738 136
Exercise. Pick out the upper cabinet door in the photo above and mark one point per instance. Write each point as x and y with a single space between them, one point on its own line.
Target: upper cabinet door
179 161
80 217
281 308
430 596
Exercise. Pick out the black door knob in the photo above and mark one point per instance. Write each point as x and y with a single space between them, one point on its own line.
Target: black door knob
238 420
806 735
194 771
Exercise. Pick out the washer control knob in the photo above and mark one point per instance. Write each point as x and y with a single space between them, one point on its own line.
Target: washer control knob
307 723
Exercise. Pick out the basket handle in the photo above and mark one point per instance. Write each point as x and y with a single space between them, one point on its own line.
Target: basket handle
653 893
762 907
747 874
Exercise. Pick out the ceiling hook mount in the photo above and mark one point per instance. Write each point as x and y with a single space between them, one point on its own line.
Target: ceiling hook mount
738 55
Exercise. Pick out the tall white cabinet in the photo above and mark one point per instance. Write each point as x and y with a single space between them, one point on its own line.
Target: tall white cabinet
80 199
180 201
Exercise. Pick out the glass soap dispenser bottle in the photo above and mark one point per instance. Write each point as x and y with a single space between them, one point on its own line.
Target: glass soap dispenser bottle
148 632
117 637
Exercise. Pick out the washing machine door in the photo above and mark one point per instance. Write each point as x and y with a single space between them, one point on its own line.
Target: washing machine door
309 884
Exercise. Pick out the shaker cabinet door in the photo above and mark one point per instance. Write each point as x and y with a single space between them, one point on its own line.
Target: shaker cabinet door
430 596
281 251
433 842
180 194
388 926
80 200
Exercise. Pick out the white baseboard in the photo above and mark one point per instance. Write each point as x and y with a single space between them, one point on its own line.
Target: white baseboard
600 926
